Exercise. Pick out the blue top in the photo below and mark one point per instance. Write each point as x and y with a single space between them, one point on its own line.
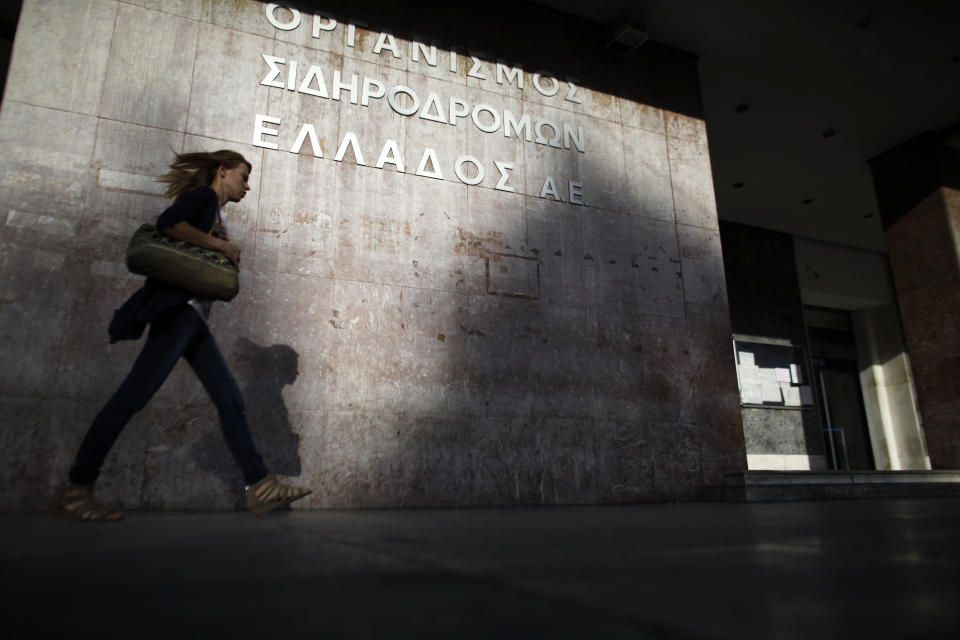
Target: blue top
198 207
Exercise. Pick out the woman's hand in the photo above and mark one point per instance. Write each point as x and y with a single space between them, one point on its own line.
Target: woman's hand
232 251
188 233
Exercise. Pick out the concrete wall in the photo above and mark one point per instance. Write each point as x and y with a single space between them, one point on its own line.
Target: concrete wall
402 338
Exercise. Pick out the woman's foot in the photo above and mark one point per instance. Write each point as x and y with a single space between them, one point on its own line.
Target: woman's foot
267 494
77 501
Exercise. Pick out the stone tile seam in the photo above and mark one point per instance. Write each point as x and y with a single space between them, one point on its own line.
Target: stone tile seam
49 108
135 5
186 120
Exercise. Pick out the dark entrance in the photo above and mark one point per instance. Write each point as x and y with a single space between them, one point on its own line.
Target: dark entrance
836 375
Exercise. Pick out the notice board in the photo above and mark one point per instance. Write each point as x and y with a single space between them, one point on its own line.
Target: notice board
772 375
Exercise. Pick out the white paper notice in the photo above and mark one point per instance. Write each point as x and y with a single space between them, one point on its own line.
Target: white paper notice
771 393
795 376
746 358
791 395
751 394
767 374
783 375
806 394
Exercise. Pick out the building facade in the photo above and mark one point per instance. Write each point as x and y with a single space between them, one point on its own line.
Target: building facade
482 264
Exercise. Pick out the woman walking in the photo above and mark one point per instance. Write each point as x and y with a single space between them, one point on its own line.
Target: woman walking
200 184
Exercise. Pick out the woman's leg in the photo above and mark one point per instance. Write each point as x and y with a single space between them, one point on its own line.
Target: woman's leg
170 334
208 363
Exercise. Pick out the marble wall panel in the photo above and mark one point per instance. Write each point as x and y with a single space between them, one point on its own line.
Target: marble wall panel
608 255
364 359
185 8
656 261
225 93
495 353
296 233
686 127
432 380
555 238
678 454
370 225
693 197
241 15
147 43
293 311
701 261
45 164
436 460
69 76
531 461
559 356
628 453
495 222
356 461
648 174
642 116
33 308
440 255
513 276
87 366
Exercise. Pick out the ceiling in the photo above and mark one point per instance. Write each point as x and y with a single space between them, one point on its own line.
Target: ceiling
875 74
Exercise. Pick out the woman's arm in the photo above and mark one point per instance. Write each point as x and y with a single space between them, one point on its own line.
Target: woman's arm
186 232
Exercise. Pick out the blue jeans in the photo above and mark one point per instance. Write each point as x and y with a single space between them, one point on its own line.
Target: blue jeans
178 331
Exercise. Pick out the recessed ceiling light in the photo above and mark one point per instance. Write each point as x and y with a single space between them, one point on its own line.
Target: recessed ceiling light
828 133
807 201
742 108
864 22
738 185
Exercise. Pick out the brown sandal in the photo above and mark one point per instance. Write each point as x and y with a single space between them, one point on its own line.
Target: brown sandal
268 494
77 501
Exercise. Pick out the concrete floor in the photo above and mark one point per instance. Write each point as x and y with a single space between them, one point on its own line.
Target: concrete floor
840 569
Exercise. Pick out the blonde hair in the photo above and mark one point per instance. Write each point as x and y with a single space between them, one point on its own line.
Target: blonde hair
191 170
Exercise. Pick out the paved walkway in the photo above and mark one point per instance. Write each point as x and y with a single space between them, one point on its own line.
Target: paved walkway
841 569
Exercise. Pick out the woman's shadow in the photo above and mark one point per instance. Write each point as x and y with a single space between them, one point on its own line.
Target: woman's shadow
265 372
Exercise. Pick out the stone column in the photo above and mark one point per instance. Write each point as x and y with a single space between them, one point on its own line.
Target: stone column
918 190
